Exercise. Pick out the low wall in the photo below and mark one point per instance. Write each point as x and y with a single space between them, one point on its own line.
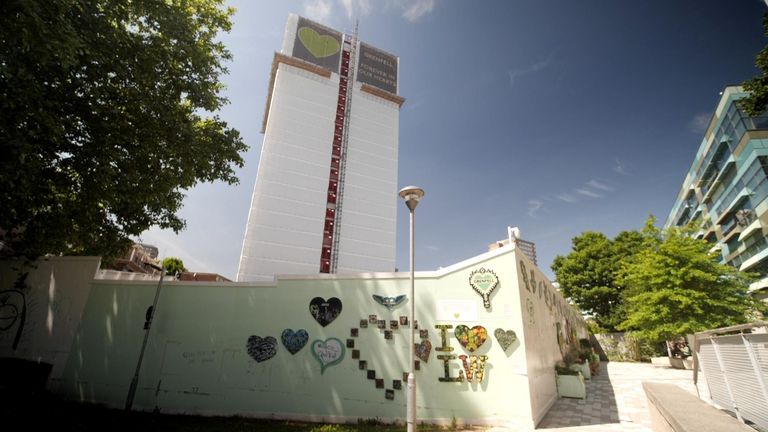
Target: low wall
673 409
327 347
40 317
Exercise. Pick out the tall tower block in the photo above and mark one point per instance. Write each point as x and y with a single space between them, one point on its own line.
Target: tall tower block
326 188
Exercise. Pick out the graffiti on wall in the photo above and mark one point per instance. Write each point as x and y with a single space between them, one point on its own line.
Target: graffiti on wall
13 312
198 356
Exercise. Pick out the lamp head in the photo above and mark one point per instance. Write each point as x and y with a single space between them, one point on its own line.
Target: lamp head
412 195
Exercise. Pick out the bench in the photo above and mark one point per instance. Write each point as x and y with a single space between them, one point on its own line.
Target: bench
674 409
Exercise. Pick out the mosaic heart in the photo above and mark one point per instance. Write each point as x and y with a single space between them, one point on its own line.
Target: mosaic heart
328 352
484 283
505 338
389 302
484 280
318 45
423 349
471 338
325 311
261 349
294 341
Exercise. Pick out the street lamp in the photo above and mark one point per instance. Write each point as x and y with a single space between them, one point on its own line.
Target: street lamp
147 326
412 195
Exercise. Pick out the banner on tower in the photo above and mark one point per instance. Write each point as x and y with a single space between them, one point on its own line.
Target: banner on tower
317 44
377 68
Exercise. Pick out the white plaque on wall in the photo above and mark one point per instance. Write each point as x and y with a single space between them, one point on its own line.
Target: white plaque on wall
456 310
509 310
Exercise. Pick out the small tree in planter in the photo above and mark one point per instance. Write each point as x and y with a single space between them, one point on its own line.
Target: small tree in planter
588 353
570 382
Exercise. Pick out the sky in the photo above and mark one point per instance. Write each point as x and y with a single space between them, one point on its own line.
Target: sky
557 117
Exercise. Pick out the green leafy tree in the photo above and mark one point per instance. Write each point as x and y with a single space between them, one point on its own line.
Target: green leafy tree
107 118
173 265
674 287
588 275
756 102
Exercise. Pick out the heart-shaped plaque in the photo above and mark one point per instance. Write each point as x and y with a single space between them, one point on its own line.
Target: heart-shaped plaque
484 283
261 349
328 352
318 45
294 341
423 349
505 338
471 338
325 311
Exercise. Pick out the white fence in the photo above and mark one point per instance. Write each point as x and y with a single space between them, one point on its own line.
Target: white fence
734 361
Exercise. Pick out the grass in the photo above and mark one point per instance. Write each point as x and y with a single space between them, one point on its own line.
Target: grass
45 410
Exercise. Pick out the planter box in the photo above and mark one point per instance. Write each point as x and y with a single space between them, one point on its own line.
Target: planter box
571 386
676 363
583 368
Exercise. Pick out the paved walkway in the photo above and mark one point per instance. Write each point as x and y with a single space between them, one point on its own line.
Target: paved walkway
615 400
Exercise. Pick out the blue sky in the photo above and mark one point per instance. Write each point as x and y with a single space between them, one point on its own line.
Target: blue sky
554 116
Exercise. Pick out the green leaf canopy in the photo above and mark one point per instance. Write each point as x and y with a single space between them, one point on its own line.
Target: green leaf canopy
107 118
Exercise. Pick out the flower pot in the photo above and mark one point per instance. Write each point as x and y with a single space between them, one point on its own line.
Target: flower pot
571 386
676 363
688 363
594 367
583 368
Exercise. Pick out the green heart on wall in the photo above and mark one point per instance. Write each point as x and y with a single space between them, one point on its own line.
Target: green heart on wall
483 280
320 46
328 352
505 337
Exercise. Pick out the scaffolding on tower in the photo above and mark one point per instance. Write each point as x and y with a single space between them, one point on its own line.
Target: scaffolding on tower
329 256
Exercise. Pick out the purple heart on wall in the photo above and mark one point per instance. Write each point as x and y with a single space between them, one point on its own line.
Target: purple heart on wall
423 349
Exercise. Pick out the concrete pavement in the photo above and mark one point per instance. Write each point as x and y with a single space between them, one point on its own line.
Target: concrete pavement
615 400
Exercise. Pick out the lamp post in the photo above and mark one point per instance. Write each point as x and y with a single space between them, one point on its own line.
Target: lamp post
412 195
147 326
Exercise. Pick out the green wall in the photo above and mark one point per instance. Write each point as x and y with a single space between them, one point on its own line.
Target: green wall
197 360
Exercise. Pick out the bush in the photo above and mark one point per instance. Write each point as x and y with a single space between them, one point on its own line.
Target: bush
561 368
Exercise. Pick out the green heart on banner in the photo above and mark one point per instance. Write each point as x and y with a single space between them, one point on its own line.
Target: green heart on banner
320 46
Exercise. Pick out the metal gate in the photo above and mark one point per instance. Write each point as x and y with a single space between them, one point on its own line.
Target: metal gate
734 361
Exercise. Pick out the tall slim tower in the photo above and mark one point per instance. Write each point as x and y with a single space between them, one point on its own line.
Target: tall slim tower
326 188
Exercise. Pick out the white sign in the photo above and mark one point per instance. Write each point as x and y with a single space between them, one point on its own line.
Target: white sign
456 310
